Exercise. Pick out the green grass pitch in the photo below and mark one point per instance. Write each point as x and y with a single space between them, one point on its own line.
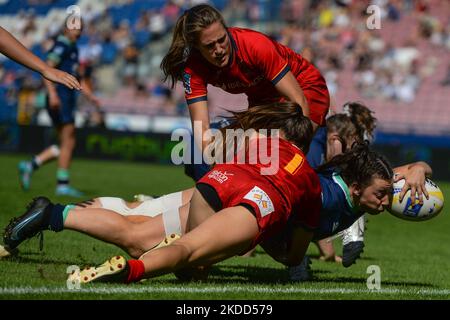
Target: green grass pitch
414 258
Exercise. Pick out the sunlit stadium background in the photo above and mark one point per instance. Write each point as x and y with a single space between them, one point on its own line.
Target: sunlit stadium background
401 71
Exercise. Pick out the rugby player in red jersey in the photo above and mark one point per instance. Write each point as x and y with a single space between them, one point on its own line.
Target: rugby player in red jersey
205 51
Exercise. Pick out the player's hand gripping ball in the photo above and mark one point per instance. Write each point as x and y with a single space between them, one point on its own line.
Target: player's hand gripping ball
406 210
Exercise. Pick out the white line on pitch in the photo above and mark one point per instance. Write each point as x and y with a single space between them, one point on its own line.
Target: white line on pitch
233 289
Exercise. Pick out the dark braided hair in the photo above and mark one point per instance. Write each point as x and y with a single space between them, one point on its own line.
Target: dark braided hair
360 164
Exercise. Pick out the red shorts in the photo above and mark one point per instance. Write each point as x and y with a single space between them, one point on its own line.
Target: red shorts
238 184
316 92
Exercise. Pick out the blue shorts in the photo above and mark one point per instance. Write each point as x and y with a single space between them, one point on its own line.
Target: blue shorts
66 112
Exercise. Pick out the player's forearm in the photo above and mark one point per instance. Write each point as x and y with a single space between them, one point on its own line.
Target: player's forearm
14 50
301 100
289 87
200 123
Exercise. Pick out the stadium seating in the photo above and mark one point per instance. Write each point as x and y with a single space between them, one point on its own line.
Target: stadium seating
427 113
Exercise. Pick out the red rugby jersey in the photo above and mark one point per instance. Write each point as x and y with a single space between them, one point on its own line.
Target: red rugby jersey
295 180
256 64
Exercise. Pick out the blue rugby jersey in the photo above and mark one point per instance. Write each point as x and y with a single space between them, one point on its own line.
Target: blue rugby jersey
64 54
338 211
317 148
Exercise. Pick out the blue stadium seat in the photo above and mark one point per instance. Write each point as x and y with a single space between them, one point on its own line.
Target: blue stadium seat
11 65
132 11
109 53
141 38
83 40
219 4
14 6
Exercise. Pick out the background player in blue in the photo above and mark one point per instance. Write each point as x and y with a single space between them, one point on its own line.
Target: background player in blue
61 104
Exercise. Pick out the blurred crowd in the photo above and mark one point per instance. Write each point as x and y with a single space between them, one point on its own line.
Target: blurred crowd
124 44
336 36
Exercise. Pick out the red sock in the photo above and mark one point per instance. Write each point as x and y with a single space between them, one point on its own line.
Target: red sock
136 271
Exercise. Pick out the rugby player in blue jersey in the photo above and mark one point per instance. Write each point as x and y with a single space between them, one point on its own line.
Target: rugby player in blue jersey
355 124
353 183
61 105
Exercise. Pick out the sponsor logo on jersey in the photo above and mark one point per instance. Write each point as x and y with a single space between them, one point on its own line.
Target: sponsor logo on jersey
262 200
219 176
239 84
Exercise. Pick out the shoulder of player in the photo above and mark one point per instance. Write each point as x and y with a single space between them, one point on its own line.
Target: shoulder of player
246 39
59 46
333 196
243 34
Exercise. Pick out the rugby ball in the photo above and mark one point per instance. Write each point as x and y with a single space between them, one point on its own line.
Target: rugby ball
406 210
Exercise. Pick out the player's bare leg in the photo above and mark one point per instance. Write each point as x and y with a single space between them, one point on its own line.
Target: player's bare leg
108 226
26 168
136 237
199 247
151 207
67 145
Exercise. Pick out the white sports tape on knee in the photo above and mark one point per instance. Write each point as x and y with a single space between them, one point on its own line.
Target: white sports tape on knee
114 204
149 208
159 205
146 208
171 220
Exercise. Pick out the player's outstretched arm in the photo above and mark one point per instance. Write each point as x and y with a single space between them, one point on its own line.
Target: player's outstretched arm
414 175
14 50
